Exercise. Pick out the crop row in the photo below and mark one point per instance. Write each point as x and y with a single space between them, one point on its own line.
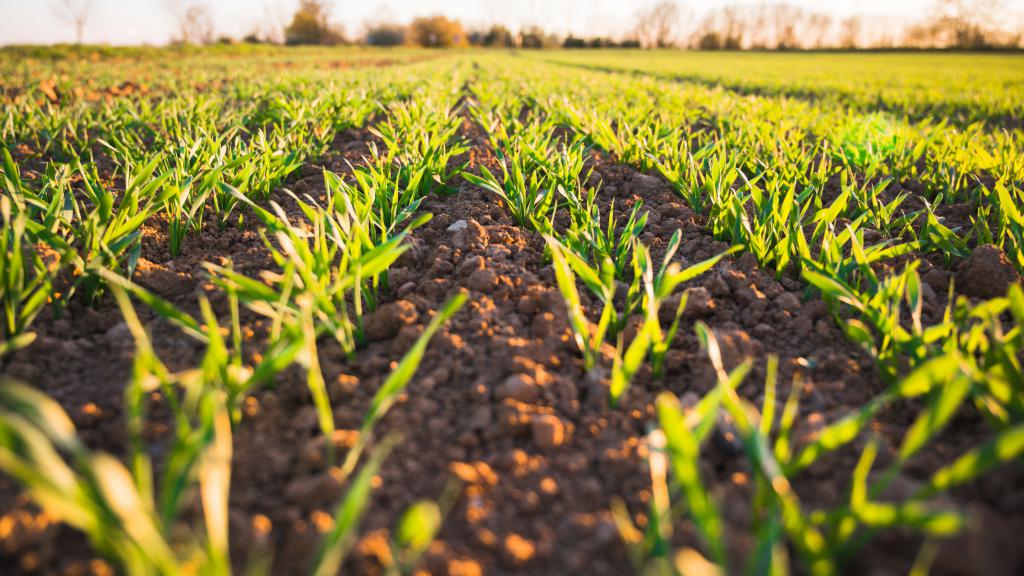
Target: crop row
763 188
180 160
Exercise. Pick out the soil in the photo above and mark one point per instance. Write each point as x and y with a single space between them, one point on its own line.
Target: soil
987 273
500 409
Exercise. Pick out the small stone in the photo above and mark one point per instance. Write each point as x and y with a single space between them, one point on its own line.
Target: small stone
458 225
518 387
548 431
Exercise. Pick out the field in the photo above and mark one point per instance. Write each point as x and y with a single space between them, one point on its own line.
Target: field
275 310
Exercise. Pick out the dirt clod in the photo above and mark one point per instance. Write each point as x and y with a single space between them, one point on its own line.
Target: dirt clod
518 550
548 431
389 319
483 280
987 273
311 491
518 387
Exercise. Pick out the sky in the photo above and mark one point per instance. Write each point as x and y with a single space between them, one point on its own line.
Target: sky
148 21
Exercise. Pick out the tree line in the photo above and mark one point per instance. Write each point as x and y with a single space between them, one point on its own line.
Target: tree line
770 25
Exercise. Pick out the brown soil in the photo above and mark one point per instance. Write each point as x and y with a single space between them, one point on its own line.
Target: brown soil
988 273
500 402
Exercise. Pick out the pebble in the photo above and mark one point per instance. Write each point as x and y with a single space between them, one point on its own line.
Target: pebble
548 431
458 225
518 387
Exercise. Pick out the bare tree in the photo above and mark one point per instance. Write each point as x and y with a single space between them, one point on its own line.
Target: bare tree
786 22
818 25
757 24
849 33
656 26
74 13
733 26
193 20
967 23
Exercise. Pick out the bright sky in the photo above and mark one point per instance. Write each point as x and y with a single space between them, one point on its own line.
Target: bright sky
148 22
